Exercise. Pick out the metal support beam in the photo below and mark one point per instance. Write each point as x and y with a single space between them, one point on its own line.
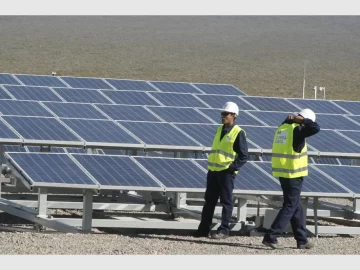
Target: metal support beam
42 202
87 211
315 205
241 209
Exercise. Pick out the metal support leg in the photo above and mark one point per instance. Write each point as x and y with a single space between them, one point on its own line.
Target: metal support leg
315 204
356 206
180 199
42 202
241 210
87 211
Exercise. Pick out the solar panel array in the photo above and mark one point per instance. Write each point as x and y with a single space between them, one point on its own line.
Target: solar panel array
168 174
89 112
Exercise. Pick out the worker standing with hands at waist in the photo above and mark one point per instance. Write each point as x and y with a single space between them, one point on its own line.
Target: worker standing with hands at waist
229 152
289 163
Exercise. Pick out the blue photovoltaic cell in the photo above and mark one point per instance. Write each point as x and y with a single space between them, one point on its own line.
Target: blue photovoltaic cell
52 149
90 83
40 128
273 119
8 79
314 182
348 176
32 93
242 119
353 135
220 89
40 80
217 101
204 134
99 131
250 177
176 87
127 112
50 168
330 141
179 115
178 100
116 171
81 95
74 110
158 133
5 132
175 173
262 136
25 108
333 121
130 97
130 85
324 160
11 148
271 104
351 106
318 105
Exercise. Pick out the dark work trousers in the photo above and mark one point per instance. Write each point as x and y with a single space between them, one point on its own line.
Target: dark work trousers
219 184
292 211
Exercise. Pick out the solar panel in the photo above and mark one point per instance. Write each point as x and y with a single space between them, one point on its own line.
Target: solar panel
249 178
330 141
175 174
177 87
11 148
8 79
178 100
350 106
179 115
40 80
116 172
40 128
90 83
347 176
75 150
130 85
43 169
273 119
158 134
335 121
100 131
52 149
355 118
261 136
130 97
323 160
204 134
32 93
82 95
353 135
25 108
6 132
74 110
314 182
271 104
242 119
223 89
3 94
128 112
318 105
217 101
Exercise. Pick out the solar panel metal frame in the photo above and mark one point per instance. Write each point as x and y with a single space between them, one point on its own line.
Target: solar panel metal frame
111 87
31 184
37 75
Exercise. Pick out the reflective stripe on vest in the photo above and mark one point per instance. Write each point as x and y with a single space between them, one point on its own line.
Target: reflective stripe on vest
222 153
285 162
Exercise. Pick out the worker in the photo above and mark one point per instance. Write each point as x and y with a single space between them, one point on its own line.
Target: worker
289 163
228 153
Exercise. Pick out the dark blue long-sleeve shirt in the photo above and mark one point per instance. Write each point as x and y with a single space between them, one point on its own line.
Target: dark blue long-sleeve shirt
240 147
309 128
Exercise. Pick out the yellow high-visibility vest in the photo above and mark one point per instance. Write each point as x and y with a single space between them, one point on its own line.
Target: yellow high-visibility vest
222 153
285 162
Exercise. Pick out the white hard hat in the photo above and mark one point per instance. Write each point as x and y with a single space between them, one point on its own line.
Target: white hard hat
307 113
231 107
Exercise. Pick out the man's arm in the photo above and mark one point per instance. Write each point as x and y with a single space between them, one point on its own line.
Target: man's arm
241 148
306 129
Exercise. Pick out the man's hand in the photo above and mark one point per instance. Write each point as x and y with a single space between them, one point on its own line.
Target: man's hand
294 118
